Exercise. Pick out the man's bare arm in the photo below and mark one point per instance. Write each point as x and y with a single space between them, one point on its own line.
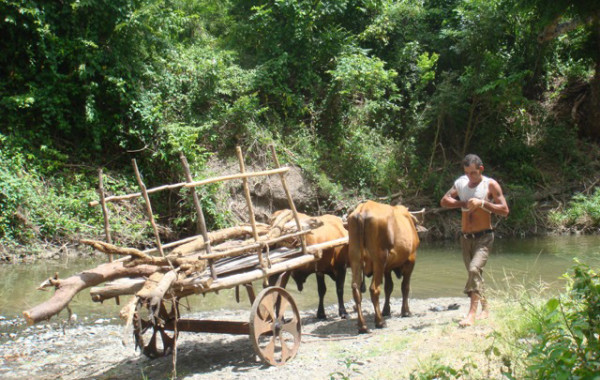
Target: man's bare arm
450 199
499 206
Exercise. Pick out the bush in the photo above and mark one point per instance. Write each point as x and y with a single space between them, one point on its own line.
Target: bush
40 200
37 206
566 344
583 213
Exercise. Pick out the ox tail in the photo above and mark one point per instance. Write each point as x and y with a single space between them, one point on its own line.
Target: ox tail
360 221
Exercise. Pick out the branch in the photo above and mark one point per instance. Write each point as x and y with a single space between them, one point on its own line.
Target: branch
67 288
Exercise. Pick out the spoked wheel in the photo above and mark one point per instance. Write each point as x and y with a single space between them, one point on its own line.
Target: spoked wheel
275 326
149 324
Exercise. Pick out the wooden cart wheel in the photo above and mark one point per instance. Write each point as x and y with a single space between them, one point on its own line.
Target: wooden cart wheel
149 330
275 326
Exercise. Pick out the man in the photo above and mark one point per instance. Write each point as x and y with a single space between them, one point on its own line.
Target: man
478 197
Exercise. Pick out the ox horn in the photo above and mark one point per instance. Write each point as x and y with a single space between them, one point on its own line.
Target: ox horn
417 215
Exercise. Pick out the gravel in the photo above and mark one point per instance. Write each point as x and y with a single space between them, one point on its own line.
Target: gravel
102 349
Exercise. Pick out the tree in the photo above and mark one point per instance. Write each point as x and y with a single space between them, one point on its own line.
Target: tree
561 17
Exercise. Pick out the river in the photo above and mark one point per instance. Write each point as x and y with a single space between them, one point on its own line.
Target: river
530 263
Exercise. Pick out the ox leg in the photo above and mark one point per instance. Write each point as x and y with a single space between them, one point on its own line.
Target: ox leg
355 248
375 291
406 273
322 289
357 295
340 279
388 287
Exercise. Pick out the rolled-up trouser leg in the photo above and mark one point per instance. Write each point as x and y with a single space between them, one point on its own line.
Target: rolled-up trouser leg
475 255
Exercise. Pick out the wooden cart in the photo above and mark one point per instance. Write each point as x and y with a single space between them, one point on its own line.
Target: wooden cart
274 325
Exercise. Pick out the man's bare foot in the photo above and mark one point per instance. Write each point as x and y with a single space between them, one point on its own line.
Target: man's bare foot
468 321
483 315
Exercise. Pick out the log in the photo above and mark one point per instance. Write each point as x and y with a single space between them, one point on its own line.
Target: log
120 287
192 285
67 288
140 258
159 284
113 249
217 237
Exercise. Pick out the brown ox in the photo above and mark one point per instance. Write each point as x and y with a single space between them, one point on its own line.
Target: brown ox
382 239
333 262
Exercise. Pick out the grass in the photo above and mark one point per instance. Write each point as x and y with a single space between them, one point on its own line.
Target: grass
385 344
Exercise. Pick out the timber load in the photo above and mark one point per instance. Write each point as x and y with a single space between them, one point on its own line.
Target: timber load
156 279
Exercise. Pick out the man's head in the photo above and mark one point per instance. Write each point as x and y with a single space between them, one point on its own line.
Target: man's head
473 167
472 159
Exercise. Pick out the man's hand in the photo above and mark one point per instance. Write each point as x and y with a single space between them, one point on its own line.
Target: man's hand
473 204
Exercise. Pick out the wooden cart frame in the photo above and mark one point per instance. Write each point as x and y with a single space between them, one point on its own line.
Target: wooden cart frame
274 326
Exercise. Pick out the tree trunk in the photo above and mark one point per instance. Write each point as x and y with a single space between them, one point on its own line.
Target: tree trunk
67 288
594 119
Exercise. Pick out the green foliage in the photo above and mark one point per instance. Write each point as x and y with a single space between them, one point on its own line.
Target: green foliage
351 368
33 206
523 208
583 213
566 336
440 371
362 77
369 97
41 200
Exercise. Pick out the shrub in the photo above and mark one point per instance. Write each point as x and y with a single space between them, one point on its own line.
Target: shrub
583 213
39 200
566 336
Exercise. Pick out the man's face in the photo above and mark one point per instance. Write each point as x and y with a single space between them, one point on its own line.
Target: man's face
473 172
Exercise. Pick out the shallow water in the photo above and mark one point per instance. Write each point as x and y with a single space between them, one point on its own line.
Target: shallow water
532 263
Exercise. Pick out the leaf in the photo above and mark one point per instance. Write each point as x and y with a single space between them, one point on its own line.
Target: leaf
552 304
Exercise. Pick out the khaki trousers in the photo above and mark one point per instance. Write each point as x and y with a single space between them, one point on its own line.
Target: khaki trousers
475 255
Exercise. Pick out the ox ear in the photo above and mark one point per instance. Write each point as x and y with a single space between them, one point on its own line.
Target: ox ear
421 229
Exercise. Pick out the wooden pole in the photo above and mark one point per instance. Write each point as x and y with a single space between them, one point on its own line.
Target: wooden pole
148 207
193 184
106 219
104 210
249 203
289 197
201 221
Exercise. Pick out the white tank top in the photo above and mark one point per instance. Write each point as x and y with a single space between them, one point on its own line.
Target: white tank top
465 192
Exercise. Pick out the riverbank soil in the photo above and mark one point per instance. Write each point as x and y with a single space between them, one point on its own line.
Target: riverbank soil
329 348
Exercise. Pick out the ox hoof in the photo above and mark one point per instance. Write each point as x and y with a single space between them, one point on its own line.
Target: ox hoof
406 314
386 313
380 325
321 316
363 330
344 315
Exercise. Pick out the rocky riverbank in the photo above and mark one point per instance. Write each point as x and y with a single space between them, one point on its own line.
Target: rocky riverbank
101 349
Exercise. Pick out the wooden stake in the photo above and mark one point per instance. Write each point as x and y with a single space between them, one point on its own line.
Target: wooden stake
104 211
201 221
249 203
106 219
148 207
289 197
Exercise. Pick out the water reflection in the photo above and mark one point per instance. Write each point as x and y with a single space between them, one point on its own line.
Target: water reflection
439 272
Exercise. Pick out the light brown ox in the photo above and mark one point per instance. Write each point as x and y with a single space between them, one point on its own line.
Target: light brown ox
382 239
333 262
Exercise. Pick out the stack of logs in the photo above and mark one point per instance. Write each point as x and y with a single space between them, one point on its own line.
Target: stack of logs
198 264
182 272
